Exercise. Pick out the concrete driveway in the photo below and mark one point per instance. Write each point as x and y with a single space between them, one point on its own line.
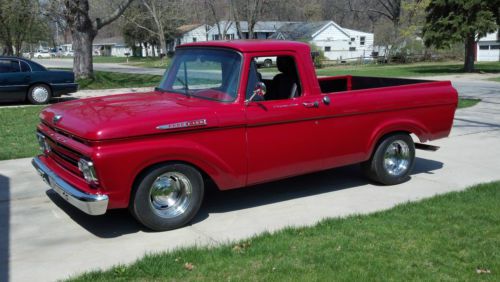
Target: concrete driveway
42 238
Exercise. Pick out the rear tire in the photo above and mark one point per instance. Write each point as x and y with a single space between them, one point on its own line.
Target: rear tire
167 196
268 63
39 94
392 161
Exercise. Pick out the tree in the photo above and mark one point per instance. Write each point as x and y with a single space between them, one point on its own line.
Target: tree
20 22
248 10
466 21
84 29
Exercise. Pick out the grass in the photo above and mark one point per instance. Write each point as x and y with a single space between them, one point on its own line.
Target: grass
449 237
467 102
18 132
407 70
135 61
108 80
497 79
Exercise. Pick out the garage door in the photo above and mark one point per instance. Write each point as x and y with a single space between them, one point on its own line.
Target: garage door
488 52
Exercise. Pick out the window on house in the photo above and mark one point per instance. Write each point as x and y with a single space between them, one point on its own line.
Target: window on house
484 47
494 47
328 48
215 37
362 40
194 39
352 48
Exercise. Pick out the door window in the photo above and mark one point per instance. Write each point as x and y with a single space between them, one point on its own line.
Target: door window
9 66
25 67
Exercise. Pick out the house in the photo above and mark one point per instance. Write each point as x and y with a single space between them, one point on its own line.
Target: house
488 48
226 30
338 43
112 46
189 33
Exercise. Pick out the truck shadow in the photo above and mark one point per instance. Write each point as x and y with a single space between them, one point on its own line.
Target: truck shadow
116 223
4 227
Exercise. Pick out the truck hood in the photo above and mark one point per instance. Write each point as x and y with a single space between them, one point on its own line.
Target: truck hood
129 115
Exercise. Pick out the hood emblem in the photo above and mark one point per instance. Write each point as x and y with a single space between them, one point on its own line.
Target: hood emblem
183 124
56 119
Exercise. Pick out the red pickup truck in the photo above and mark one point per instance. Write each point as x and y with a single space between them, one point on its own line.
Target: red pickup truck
215 118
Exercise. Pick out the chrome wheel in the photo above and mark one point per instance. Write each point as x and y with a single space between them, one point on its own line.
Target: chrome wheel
40 94
170 194
397 158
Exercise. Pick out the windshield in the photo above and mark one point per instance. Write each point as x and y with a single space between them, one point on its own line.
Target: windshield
205 73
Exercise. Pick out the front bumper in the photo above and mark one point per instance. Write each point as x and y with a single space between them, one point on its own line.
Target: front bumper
93 204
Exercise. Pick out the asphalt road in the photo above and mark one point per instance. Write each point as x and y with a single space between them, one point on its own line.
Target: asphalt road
42 238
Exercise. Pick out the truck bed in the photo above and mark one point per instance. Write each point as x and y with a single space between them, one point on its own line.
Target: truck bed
348 82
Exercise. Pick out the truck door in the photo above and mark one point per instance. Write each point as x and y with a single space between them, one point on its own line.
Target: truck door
282 127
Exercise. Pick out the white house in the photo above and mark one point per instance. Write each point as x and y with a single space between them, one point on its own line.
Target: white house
226 30
189 33
488 48
112 46
338 43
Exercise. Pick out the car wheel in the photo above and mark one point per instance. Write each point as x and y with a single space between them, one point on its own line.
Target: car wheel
167 196
392 161
39 94
39 56
268 63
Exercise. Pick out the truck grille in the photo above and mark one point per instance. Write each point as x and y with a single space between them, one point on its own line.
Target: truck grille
64 156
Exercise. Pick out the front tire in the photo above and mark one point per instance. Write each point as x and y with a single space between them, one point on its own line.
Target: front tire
268 63
392 161
39 94
168 196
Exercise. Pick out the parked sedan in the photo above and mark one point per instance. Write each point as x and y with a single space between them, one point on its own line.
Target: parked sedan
22 79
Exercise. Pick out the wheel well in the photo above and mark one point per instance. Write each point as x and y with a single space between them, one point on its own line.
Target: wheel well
207 179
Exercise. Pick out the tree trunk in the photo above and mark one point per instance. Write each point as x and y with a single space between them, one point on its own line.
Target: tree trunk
163 44
82 60
470 53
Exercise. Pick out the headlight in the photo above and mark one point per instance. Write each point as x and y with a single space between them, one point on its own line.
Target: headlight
88 170
42 142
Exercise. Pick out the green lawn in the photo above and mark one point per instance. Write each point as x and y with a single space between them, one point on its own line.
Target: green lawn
446 238
18 132
467 102
406 70
497 79
135 61
108 80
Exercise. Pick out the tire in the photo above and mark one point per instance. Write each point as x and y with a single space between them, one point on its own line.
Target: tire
161 199
268 63
39 94
392 160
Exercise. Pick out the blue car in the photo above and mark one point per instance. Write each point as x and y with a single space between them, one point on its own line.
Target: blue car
25 80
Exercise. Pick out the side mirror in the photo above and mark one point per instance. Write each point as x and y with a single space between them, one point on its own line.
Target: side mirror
259 90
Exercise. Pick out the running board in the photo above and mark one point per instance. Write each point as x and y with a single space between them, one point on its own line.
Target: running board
426 147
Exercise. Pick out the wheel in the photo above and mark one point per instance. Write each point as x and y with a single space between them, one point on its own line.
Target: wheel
39 94
268 63
39 56
167 196
392 161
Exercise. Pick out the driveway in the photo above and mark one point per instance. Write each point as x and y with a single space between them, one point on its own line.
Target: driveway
42 238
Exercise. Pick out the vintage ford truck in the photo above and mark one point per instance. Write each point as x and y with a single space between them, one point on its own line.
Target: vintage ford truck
215 118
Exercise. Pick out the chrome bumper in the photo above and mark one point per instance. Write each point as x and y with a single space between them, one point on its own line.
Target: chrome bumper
92 204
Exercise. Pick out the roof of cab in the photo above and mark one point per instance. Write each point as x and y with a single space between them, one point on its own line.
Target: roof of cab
253 45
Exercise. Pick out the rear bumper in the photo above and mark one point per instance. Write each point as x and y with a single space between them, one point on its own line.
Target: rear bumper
59 89
92 204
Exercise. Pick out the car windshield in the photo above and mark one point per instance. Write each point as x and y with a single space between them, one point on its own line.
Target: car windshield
205 73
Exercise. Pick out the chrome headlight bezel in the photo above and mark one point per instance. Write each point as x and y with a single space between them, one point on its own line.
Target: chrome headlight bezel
42 142
88 170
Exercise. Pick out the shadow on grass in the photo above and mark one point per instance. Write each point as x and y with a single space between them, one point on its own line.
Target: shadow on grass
116 223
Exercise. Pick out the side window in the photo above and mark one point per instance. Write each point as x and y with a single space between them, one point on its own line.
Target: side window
14 66
279 74
25 67
4 66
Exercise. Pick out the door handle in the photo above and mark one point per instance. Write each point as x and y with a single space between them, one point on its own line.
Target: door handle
314 104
